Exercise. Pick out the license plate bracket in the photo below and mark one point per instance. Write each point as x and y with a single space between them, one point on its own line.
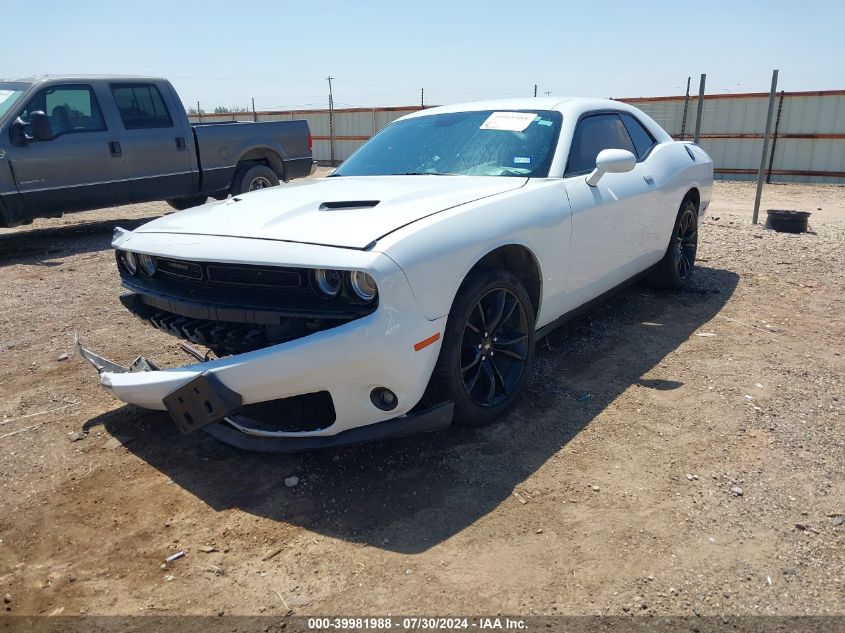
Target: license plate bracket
202 401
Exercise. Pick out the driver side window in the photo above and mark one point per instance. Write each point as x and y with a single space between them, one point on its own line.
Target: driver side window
71 109
593 134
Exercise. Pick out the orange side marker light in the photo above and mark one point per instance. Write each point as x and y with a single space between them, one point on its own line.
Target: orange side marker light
426 342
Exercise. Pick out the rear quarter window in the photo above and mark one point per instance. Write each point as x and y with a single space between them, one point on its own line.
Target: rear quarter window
642 138
141 106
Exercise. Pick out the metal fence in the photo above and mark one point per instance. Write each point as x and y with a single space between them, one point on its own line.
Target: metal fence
808 141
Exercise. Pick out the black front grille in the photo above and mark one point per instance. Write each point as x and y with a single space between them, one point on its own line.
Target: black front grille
253 276
176 268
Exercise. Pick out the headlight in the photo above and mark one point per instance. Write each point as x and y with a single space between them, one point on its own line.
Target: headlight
328 281
130 262
363 285
148 264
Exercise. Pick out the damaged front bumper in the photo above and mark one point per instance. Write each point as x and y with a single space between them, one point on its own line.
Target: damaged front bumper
380 351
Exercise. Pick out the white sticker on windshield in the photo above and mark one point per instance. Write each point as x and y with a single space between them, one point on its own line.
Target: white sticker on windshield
525 160
5 94
509 121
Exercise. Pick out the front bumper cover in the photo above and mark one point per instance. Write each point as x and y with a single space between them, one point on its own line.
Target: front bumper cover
206 403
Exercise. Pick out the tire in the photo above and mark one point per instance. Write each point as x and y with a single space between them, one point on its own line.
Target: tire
484 295
675 270
186 203
251 177
220 195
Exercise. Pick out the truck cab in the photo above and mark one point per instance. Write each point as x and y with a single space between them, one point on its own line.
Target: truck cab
76 143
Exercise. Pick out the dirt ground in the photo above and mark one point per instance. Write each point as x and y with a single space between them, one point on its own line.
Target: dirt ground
676 454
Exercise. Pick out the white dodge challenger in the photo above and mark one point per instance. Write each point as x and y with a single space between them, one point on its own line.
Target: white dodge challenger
407 289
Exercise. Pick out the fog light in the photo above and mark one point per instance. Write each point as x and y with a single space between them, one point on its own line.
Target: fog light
384 398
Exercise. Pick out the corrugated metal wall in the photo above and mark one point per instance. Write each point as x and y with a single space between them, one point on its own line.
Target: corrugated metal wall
809 145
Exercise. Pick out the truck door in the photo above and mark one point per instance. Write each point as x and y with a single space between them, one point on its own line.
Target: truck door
155 147
78 168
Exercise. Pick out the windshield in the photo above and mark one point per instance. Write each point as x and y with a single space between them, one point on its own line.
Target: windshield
9 95
481 143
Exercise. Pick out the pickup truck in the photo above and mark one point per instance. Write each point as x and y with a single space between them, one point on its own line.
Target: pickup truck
74 143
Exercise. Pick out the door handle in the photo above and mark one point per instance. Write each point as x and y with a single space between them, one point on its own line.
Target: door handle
649 179
181 144
114 149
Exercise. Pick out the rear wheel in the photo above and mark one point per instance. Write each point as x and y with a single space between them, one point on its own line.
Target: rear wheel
676 268
488 348
252 178
186 203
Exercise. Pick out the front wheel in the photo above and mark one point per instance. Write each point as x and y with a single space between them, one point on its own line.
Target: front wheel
488 348
675 269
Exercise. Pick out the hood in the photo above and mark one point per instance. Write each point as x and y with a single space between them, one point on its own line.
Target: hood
344 211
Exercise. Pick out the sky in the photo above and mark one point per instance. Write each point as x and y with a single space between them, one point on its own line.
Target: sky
384 53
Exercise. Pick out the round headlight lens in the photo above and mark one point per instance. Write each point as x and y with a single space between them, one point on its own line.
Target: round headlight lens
363 285
328 281
147 264
130 262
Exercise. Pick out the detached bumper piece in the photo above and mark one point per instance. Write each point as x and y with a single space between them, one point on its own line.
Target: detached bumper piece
206 403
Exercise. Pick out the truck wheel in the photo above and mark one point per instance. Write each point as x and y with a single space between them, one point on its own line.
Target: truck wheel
220 195
488 348
186 203
252 178
674 271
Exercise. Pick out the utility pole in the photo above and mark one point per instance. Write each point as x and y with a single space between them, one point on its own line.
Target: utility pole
199 111
254 115
686 107
700 109
422 97
535 90
761 175
331 120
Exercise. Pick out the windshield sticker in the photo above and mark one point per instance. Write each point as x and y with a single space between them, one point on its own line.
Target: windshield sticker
525 160
5 94
544 122
508 121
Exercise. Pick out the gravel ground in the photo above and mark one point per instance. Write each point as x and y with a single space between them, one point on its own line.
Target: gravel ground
676 454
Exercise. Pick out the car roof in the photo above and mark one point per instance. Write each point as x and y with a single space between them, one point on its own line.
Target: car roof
39 79
570 107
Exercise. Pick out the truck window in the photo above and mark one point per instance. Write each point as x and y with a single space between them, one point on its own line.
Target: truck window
141 106
71 109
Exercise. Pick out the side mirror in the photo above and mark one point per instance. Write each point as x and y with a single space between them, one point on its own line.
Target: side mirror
41 128
17 132
611 161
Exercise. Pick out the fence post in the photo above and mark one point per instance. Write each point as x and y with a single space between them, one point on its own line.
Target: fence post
761 175
686 107
774 139
700 108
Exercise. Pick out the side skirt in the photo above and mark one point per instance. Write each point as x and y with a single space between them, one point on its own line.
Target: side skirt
547 329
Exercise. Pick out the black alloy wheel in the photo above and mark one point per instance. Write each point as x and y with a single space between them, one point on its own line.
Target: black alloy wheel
487 350
494 348
676 268
686 243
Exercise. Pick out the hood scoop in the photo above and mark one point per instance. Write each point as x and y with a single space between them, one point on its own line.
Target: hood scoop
348 204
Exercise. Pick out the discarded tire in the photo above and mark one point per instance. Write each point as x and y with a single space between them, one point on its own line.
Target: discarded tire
785 221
